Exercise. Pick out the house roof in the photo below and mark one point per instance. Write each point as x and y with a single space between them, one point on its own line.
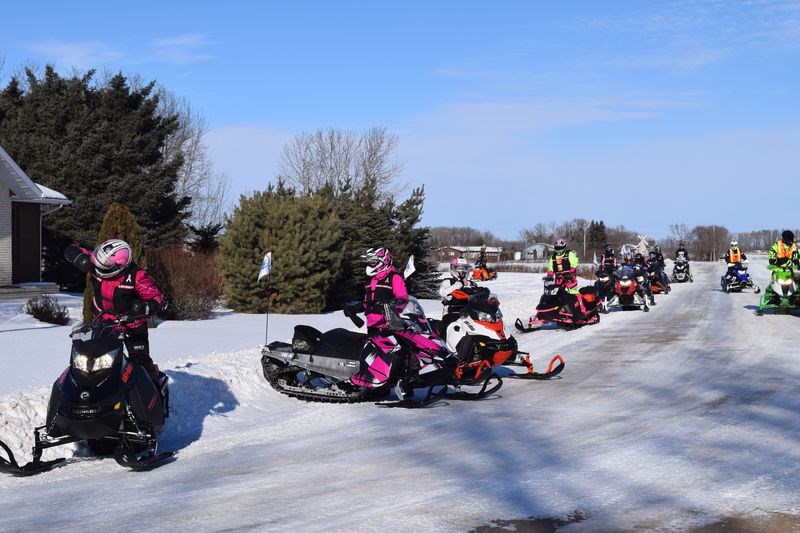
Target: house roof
23 188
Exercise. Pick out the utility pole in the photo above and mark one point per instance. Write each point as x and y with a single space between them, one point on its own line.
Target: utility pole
584 244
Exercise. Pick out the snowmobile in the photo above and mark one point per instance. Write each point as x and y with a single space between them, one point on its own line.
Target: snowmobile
483 273
558 306
626 289
781 293
680 271
102 398
739 279
656 284
604 285
316 366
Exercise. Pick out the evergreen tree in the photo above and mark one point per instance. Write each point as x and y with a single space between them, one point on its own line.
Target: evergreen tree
304 236
596 236
118 223
97 143
412 240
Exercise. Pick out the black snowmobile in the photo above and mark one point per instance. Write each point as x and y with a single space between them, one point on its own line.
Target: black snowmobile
316 365
104 399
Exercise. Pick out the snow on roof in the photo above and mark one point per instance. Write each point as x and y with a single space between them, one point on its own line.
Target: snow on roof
50 194
488 249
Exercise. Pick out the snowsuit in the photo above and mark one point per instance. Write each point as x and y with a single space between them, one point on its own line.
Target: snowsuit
608 263
564 265
733 258
114 297
644 287
682 254
385 296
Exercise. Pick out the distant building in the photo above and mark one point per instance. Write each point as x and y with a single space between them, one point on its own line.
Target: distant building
538 251
470 253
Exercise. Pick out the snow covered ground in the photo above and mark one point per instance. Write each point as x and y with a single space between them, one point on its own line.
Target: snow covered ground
663 420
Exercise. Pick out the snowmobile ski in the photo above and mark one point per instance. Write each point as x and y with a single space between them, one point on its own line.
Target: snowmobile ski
485 391
554 368
410 403
10 465
522 328
125 457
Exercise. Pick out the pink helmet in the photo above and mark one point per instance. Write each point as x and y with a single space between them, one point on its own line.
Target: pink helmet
111 258
378 260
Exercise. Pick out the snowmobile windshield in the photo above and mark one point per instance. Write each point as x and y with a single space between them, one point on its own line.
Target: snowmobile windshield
97 338
414 316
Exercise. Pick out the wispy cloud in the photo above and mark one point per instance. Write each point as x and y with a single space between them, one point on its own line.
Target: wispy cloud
182 49
81 55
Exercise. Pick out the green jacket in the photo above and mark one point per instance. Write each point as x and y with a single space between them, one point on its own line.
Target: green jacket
571 261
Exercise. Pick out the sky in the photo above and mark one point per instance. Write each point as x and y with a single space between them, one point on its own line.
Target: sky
638 114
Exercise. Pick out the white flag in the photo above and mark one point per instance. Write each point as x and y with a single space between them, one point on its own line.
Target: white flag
410 268
594 258
266 266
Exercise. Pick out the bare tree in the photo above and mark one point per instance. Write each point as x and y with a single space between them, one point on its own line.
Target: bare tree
341 158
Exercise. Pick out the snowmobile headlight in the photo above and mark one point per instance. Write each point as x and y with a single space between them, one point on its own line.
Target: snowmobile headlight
785 282
640 279
625 283
87 363
81 362
485 317
104 361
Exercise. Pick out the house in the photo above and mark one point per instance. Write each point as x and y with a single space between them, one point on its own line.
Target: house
470 253
22 206
538 251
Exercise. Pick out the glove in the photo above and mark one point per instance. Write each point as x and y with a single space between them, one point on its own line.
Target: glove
140 309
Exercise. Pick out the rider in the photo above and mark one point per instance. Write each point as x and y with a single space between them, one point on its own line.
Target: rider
385 297
654 264
459 279
663 267
639 266
608 261
783 254
563 266
733 257
121 289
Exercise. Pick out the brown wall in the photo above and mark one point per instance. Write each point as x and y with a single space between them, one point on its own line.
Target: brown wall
25 242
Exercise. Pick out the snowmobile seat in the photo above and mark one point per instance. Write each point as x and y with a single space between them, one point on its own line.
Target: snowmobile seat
341 343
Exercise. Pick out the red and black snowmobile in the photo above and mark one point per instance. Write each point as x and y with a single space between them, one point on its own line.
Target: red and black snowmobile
656 284
629 293
558 306
104 399
604 285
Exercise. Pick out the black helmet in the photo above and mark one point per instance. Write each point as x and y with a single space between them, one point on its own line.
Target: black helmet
787 237
609 249
560 246
638 258
652 253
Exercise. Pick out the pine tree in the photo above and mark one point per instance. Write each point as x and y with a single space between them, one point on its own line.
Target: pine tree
97 143
409 239
304 236
118 223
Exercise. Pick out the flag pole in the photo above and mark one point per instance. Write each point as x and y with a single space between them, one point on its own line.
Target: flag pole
266 270
266 329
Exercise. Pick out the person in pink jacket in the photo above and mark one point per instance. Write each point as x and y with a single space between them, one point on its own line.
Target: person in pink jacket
386 287
121 289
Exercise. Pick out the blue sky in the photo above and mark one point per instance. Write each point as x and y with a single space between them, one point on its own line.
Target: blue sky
510 113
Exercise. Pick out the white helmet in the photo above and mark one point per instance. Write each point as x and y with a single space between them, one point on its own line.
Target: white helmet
734 244
111 258
378 260
460 267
